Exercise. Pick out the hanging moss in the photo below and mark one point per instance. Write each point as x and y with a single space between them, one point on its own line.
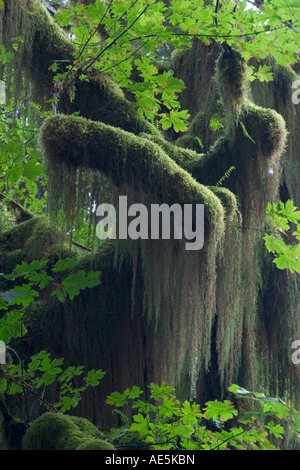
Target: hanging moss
43 43
231 77
277 94
196 67
33 239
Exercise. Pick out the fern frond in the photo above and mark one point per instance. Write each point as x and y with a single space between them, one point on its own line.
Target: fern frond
225 176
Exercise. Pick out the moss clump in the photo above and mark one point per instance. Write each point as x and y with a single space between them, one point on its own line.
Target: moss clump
11 259
190 142
36 238
232 80
87 427
55 431
95 444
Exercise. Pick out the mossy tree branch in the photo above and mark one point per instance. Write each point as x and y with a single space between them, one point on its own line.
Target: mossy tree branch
127 160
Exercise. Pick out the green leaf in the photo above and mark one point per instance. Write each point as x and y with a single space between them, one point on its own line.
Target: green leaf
3 304
24 295
140 425
175 118
11 326
64 264
275 429
68 374
117 399
245 132
78 281
264 73
63 17
93 377
220 410
161 392
135 392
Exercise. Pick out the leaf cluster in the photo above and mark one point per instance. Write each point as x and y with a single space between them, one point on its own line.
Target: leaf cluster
42 371
287 250
165 423
125 39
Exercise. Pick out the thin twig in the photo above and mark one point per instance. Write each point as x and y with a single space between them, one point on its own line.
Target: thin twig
91 61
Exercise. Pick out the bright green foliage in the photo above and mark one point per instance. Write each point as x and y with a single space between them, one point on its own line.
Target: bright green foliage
124 38
22 169
40 372
164 422
34 273
220 410
287 254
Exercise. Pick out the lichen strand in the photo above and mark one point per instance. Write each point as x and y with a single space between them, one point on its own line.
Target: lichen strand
43 43
244 277
256 157
196 67
278 95
231 77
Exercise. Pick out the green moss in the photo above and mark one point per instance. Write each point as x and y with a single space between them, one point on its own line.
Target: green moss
229 201
100 99
127 160
54 431
176 57
200 136
12 258
36 238
231 76
87 427
267 129
190 142
95 444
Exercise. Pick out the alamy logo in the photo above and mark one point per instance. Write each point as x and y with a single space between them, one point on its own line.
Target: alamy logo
161 222
2 353
296 354
296 94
